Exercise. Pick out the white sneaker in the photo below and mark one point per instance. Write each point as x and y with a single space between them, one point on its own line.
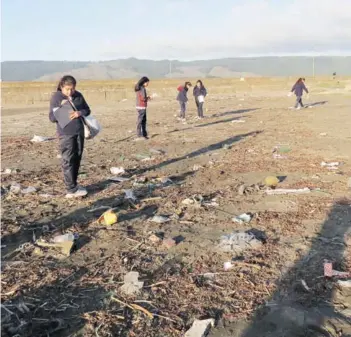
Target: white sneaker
80 193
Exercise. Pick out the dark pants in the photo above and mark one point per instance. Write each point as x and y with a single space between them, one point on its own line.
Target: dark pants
200 108
141 124
182 109
298 102
71 151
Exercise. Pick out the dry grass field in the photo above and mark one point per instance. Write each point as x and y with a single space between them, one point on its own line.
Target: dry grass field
276 289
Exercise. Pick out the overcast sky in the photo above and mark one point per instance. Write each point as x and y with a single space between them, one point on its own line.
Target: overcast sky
176 29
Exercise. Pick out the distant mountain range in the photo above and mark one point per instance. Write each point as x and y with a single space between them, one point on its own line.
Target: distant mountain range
134 68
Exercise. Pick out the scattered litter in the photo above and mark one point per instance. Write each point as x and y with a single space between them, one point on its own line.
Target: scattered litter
279 156
329 271
141 180
118 179
226 147
344 284
243 189
10 171
305 286
211 203
200 328
108 218
141 156
197 167
165 180
243 218
227 265
155 239
158 152
281 149
271 181
46 195
239 241
323 134
330 166
132 285
195 200
29 190
169 243
160 219
288 191
15 188
238 121
100 208
65 246
130 195
148 159
117 170
65 237
40 139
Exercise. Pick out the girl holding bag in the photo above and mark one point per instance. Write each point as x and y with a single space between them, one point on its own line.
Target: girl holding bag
71 135
200 93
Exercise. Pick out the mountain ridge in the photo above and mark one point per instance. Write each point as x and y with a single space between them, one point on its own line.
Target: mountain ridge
134 68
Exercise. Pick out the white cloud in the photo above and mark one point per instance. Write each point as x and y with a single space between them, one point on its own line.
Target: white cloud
253 27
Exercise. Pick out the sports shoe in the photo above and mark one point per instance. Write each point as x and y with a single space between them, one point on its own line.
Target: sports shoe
80 193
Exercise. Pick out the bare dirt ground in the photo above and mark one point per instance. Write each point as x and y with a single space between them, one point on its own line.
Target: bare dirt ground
262 295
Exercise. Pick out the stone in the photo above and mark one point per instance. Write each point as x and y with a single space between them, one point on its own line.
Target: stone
200 328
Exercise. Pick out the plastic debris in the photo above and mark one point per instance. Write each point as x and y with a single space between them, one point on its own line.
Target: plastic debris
323 134
279 156
15 188
288 191
226 147
108 218
29 190
330 272
227 265
281 149
148 159
243 218
169 243
117 170
65 246
160 219
10 171
118 179
65 237
40 139
200 328
239 241
271 181
45 195
238 121
344 284
132 285
197 167
158 152
130 195
330 166
305 286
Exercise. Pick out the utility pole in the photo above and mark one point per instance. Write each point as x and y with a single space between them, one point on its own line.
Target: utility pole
313 69
170 68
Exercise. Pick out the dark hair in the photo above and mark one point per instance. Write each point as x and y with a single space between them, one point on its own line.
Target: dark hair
185 85
300 80
199 81
66 80
141 82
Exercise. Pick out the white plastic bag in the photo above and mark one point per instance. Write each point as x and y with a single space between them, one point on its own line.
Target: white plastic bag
91 127
201 99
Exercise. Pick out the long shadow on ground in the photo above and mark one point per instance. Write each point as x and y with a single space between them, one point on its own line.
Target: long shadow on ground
213 147
293 311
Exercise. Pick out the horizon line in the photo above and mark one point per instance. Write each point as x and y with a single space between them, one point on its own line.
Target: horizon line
183 60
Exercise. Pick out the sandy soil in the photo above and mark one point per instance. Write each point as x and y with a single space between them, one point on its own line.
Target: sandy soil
261 296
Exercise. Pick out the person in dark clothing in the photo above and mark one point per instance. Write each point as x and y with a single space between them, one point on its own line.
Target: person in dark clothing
71 137
141 105
298 88
182 98
199 93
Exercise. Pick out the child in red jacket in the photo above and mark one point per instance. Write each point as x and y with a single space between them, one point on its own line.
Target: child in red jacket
141 105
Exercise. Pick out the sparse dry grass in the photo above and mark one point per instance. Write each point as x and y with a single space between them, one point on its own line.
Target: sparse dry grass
32 93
